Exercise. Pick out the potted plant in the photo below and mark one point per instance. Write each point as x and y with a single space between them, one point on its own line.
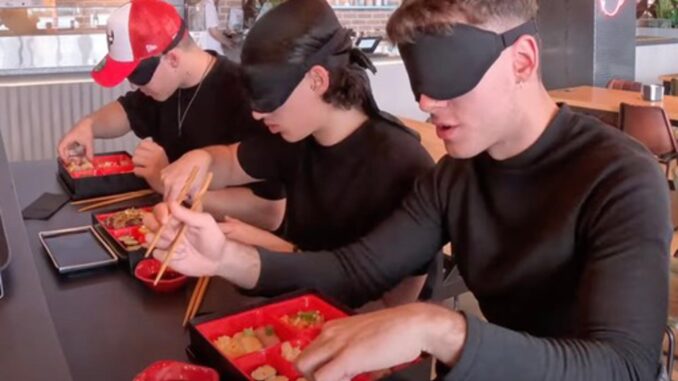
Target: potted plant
667 14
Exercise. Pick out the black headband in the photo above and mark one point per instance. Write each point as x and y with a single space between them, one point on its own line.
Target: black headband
448 66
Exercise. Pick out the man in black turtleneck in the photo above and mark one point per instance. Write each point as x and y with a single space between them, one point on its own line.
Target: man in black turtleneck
560 224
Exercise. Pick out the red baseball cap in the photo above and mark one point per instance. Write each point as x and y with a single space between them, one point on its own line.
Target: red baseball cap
136 31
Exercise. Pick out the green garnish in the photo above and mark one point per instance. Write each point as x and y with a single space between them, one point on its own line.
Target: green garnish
309 316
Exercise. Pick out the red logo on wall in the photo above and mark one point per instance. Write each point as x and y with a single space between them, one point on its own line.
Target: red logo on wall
611 7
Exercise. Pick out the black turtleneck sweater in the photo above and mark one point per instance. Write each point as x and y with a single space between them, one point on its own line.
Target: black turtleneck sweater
564 246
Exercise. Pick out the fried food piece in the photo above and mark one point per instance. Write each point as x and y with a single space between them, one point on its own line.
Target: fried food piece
267 336
263 373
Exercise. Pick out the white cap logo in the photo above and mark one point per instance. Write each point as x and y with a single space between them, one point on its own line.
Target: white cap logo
110 37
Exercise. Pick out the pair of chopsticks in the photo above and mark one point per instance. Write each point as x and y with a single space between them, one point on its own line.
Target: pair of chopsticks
100 202
182 231
196 299
180 199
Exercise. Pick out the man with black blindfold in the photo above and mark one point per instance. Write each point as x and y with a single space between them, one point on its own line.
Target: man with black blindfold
560 224
344 164
187 98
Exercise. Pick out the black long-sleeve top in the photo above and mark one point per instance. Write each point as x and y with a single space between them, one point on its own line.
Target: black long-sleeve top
564 246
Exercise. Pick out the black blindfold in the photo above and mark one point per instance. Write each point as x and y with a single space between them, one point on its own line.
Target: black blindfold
269 85
447 66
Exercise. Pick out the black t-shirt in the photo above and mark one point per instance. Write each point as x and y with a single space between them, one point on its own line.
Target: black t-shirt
565 246
219 114
337 194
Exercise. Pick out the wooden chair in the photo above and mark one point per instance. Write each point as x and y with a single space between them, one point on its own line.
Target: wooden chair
651 126
624 84
673 86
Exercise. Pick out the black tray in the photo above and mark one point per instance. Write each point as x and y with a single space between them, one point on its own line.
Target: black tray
131 257
202 352
96 186
69 254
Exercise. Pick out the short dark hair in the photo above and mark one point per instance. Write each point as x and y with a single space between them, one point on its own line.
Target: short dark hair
349 84
436 16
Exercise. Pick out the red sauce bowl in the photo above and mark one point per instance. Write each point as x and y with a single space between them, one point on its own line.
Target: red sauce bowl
167 370
148 269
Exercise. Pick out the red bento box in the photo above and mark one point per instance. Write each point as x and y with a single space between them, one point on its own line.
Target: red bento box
117 238
110 173
206 331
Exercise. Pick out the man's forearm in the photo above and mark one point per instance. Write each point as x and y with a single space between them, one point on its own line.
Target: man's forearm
109 121
223 160
240 265
242 204
445 333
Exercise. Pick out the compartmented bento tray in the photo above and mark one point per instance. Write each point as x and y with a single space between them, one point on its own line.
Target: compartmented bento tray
108 173
258 343
124 232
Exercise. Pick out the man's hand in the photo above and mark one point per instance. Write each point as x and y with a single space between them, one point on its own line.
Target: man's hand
149 160
245 233
174 176
199 252
204 250
80 135
381 340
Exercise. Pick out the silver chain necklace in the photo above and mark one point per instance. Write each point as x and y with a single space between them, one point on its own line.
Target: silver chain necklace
181 118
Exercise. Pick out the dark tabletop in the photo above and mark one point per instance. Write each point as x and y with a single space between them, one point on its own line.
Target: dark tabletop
105 324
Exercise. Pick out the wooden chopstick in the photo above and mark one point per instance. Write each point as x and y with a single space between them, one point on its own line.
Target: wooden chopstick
182 231
109 197
113 201
180 199
196 299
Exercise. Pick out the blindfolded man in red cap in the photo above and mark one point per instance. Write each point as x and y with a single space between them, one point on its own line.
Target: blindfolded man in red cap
186 98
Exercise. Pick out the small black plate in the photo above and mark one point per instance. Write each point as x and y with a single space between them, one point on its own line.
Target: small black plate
76 249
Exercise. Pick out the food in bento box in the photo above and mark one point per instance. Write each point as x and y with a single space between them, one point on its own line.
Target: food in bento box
130 242
304 319
80 165
379 374
126 162
247 341
289 352
267 373
233 347
278 378
267 336
125 219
